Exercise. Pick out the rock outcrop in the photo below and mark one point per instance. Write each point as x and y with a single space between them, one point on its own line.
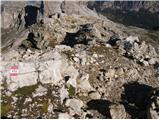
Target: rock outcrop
142 12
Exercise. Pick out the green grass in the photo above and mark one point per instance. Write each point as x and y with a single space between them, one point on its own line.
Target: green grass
100 50
24 91
5 108
45 107
71 90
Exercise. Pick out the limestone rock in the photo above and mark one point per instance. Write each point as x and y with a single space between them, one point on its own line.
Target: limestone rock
63 48
140 51
45 71
117 112
40 91
94 95
63 94
50 108
74 105
28 100
51 71
64 116
26 76
83 83
73 73
110 73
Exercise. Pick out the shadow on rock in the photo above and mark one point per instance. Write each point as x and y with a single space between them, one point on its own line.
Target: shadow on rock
102 106
4 117
31 13
83 36
136 99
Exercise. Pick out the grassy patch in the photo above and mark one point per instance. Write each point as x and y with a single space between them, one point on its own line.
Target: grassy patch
71 90
5 108
45 107
24 91
100 50
109 54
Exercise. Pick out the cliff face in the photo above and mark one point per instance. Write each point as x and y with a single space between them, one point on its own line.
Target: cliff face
150 6
137 6
12 11
135 13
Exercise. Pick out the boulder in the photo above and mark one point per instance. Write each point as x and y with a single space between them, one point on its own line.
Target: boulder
63 48
83 83
50 108
94 95
117 112
132 39
64 116
113 41
26 76
51 71
74 105
40 91
47 71
63 94
73 73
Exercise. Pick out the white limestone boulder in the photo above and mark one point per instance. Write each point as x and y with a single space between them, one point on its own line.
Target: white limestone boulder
26 76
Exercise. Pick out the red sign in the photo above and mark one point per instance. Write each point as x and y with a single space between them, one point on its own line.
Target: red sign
14 70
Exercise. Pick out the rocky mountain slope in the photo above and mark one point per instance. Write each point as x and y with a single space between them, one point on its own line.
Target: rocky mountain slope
63 60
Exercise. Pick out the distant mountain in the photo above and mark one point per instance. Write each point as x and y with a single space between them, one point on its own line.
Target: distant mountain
135 13
149 6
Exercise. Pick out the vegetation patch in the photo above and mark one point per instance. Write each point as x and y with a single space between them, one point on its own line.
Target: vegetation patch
24 91
5 108
45 107
71 90
100 50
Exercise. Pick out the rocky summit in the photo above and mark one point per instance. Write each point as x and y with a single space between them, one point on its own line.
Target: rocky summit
69 60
